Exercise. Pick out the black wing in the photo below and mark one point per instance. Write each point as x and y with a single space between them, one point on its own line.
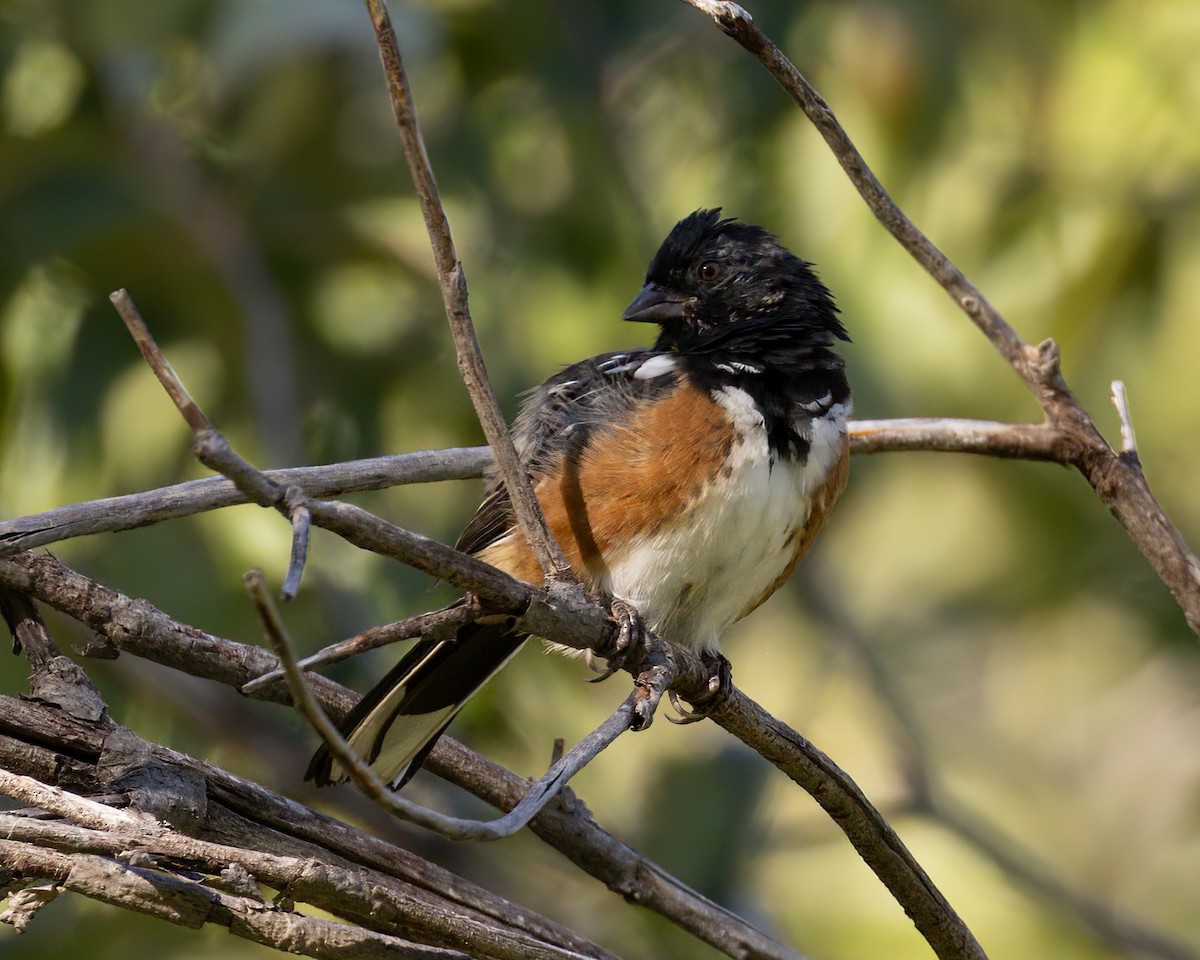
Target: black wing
558 417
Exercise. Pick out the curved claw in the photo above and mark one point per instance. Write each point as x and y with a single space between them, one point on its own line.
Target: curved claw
589 657
603 674
719 686
686 715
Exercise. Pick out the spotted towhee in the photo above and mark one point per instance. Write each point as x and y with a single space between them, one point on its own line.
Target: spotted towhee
688 478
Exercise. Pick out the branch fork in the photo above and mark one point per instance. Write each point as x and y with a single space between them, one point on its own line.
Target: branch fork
455 828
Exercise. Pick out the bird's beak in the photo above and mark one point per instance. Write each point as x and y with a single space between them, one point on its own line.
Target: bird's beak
655 305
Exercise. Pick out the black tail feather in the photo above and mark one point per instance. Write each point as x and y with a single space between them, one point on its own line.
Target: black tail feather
395 725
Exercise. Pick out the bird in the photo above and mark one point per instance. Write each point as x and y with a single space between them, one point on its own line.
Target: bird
683 480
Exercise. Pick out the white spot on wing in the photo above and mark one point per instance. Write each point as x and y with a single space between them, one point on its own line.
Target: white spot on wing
736 366
656 366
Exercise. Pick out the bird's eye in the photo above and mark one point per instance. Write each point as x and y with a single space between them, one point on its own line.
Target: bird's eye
709 271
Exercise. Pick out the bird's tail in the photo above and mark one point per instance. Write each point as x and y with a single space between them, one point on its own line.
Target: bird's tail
397 723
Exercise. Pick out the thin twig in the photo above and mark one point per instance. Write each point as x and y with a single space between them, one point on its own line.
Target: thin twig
210 446
453 284
134 510
364 777
435 626
157 362
301 525
737 23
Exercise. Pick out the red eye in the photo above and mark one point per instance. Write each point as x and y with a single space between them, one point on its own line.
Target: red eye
710 270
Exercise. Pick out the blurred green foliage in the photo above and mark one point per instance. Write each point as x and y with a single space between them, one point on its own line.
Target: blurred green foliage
234 165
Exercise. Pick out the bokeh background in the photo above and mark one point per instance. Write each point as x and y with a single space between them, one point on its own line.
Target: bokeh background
975 641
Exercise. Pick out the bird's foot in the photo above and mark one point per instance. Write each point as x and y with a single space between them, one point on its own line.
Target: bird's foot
720 685
631 636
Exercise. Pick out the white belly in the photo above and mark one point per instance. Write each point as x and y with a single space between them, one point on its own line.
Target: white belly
695 577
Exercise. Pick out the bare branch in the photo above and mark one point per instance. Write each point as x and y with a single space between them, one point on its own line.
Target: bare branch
734 21
871 835
138 628
437 625
1118 484
210 447
364 777
453 283
190 904
158 363
213 493
1018 441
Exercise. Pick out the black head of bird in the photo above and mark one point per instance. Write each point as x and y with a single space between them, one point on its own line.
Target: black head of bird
714 281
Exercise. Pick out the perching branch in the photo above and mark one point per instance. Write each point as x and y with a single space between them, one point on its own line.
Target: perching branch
1021 441
1118 482
136 627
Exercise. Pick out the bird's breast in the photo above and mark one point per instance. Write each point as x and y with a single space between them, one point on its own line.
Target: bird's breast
737 539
